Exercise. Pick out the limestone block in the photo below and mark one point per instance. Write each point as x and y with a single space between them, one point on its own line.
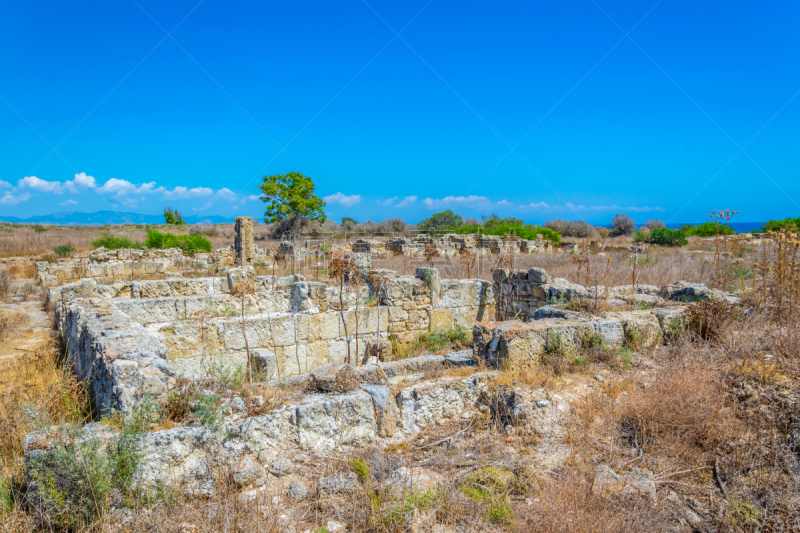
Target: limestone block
305 295
397 314
264 362
433 282
386 414
426 404
336 422
381 349
419 320
239 274
441 319
538 275
324 326
191 339
367 320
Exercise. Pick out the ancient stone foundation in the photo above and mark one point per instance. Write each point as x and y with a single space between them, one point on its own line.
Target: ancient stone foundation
140 341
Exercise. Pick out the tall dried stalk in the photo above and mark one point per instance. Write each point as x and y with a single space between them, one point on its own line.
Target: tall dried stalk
243 289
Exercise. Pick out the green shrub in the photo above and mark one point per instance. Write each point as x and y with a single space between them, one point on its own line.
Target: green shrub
662 237
63 250
528 231
74 482
792 224
361 467
707 229
439 339
188 243
113 242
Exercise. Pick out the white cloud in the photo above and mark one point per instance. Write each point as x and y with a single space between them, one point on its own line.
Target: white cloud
407 201
474 202
4 184
10 199
149 188
343 199
68 202
387 202
226 193
540 205
251 198
633 209
80 180
180 192
117 187
38 184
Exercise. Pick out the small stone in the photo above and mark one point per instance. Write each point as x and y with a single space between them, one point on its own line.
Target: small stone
333 525
246 471
414 479
342 483
280 466
599 378
298 491
237 404
542 403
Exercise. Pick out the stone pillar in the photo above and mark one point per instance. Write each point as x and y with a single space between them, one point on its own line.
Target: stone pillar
244 241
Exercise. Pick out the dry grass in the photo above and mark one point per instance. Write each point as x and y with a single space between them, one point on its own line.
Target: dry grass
32 241
38 392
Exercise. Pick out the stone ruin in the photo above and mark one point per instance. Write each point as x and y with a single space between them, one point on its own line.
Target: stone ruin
140 341
243 243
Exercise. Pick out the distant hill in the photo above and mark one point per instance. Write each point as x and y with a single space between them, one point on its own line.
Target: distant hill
110 217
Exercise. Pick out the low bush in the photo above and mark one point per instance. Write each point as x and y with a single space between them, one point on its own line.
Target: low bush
188 243
437 340
63 250
792 224
114 242
707 229
662 237
523 232
571 228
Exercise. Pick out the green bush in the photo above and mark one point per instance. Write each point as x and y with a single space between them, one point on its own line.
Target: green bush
442 222
63 250
113 242
75 482
188 243
437 340
793 224
527 231
662 237
707 229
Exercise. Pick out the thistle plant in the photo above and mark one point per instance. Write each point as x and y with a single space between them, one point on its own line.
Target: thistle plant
468 259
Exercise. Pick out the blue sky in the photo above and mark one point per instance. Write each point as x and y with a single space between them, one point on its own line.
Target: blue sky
538 110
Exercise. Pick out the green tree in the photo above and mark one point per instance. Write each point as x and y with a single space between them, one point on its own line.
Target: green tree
172 217
290 196
443 221
349 219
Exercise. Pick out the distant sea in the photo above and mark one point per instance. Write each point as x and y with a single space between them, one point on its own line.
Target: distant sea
738 227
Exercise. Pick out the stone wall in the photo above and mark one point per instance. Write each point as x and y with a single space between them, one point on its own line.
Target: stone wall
188 324
116 265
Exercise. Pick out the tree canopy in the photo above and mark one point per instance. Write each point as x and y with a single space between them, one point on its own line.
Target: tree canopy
289 196
444 221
